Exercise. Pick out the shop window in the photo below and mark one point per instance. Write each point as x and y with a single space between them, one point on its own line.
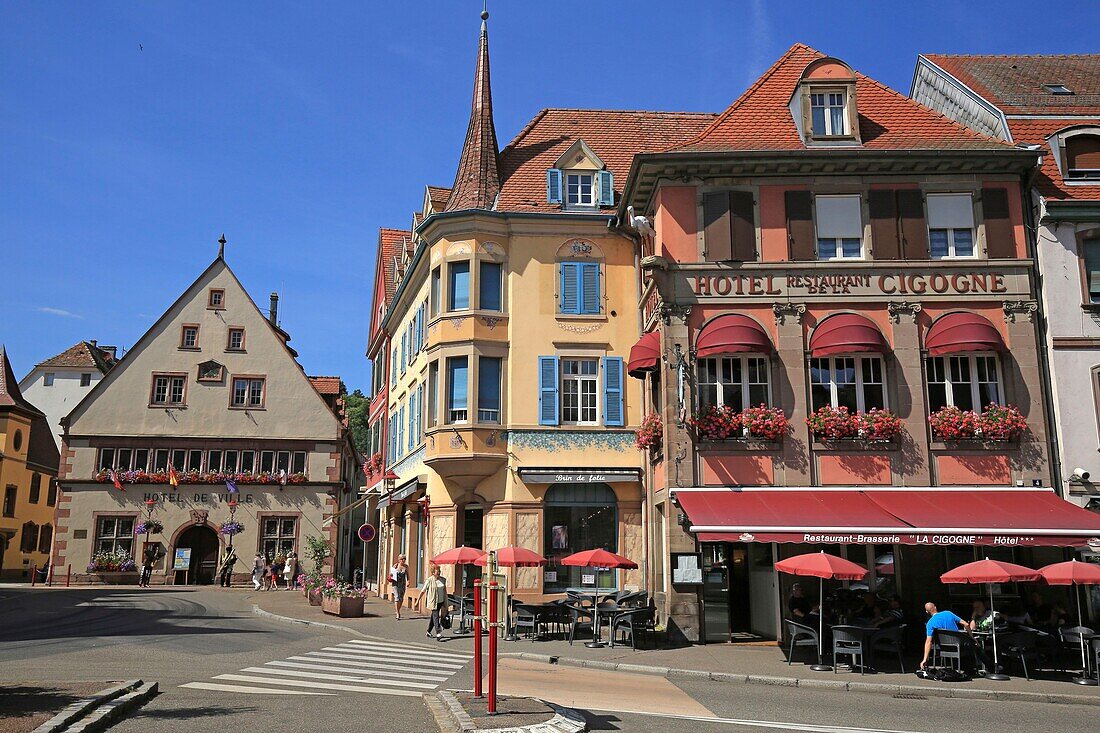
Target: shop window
839 227
578 517
966 381
733 381
950 225
488 389
45 538
115 534
490 286
458 285
36 488
579 288
28 539
855 382
168 390
279 536
10 493
457 386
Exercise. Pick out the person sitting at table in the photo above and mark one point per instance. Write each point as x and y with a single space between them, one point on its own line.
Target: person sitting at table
1037 611
892 616
802 609
981 618
949 621
1059 617
867 610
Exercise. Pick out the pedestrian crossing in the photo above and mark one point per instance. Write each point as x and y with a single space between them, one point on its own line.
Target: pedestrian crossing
358 665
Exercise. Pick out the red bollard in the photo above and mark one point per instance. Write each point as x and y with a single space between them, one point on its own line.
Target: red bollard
492 647
68 575
477 637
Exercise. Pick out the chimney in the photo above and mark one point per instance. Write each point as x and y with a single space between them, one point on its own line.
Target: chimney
273 313
93 343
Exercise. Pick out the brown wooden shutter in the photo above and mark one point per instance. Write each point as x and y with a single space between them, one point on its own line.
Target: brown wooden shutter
885 235
743 226
999 242
717 232
914 230
800 225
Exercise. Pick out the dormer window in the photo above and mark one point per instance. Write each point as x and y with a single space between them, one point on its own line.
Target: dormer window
578 189
579 180
1083 156
827 113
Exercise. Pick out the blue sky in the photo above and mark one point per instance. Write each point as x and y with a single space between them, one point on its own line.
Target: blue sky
134 134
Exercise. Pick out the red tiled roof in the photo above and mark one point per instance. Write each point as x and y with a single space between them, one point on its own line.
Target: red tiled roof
41 448
1014 83
390 243
760 119
81 356
438 196
477 180
614 135
10 396
326 385
1049 181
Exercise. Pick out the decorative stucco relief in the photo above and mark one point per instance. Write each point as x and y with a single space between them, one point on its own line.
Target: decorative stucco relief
558 440
527 536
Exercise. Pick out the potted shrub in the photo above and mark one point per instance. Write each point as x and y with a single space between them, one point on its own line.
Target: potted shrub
341 599
648 436
764 423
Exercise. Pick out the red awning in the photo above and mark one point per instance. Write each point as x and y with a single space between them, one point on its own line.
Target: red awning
732 333
847 333
644 355
930 516
962 331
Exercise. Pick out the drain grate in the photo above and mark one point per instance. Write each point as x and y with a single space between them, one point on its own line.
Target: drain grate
909 696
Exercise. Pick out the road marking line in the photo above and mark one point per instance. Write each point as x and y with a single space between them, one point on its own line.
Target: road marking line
377 672
407 649
319 685
250 690
807 727
411 666
397 654
367 679
395 659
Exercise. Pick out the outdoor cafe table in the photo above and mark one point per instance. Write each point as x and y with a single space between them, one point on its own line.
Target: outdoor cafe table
594 594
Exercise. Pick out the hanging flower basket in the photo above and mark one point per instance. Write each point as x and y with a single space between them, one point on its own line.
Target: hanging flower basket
149 526
648 436
230 528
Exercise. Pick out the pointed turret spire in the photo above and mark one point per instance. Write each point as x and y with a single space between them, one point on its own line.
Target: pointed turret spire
477 181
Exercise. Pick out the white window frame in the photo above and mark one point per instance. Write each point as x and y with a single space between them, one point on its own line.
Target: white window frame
250 389
861 401
838 242
952 231
744 359
828 105
568 184
171 382
580 380
118 539
975 386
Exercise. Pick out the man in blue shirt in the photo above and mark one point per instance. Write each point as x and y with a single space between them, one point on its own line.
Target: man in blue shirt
950 621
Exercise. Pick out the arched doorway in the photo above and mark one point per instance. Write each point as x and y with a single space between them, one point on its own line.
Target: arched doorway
203 541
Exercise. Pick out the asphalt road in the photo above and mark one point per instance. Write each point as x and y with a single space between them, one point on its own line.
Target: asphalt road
221 668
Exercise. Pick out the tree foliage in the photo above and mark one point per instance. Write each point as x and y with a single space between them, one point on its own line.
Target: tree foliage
357 409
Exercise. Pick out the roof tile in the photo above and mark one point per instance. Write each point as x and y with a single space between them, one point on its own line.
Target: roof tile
1014 83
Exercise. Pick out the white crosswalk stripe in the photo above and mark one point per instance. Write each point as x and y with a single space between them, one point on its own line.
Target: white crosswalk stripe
358 665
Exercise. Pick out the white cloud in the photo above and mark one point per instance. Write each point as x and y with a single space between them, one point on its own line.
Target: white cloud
60 312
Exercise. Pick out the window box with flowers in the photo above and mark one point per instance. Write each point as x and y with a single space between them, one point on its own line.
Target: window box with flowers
649 435
374 465
839 428
994 427
341 599
140 476
112 567
754 428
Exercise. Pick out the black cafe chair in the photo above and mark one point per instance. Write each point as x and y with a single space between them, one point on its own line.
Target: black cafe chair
849 641
580 618
631 623
1071 637
1095 643
1022 646
949 646
801 635
527 618
890 639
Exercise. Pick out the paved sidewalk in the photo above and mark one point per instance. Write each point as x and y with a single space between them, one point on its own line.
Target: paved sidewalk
759 664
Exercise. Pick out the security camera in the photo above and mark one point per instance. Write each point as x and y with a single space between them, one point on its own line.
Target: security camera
1079 474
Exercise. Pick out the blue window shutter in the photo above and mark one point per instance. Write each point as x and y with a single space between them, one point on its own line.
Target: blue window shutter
412 421
613 391
548 390
590 287
570 287
401 431
607 188
553 185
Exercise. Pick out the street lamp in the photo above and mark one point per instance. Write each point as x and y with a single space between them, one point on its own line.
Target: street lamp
232 513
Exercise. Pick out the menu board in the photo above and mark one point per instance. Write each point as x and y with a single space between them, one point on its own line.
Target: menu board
687 568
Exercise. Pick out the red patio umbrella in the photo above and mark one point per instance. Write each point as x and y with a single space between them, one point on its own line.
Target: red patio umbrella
458 556
514 557
1074 573
821 565
990 571
597 559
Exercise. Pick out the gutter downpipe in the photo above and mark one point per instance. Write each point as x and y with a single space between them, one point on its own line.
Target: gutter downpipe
1032 225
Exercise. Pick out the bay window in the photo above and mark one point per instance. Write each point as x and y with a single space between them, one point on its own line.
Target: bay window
855 382
457 385
488 389
950 225
965 381
458 285
490 286
733 381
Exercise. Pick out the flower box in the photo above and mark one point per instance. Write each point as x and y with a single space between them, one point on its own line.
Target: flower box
740 445
855 444
995 424
648 436
835 424
343 606
114 578
314 596
760 423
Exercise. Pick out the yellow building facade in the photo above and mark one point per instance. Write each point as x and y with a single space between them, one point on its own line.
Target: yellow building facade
28 481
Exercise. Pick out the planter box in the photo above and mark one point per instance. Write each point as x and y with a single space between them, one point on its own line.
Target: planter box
740 445
855 444
343 607
975 444
314 597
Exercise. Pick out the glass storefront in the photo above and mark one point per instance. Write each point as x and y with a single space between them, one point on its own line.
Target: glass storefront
579 517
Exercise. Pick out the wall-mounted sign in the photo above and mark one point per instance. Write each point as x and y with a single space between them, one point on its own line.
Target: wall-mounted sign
588 580
579 476
182 559
687 567
550 576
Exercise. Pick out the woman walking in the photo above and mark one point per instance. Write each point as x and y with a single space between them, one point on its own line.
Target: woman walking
267 574
434 593
258 571
290 569
399 579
